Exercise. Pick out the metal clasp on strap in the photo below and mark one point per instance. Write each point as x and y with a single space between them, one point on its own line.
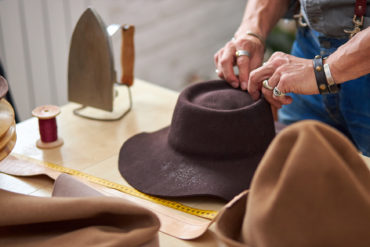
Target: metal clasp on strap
357 22
299 20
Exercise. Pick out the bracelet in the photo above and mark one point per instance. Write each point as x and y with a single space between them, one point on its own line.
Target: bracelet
333 87
257 36
321 81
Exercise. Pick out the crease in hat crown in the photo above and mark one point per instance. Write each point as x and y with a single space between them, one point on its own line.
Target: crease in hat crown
214 119
191 98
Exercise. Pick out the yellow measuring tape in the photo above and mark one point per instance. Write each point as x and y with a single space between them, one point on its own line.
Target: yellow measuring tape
208 214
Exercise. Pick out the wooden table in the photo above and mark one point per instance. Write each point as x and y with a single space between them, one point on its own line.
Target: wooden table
93 146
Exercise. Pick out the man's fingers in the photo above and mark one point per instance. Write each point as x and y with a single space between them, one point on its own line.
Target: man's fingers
244 53
277 81
216 60
281 87
268 93
215 57
226 64
268 96
284 100
256 78
243 63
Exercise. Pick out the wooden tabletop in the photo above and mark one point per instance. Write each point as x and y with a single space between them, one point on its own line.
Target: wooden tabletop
93 146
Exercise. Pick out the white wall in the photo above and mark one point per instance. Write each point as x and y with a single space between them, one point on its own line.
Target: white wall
175 41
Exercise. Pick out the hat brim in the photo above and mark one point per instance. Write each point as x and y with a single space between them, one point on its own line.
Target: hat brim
150 165
229 221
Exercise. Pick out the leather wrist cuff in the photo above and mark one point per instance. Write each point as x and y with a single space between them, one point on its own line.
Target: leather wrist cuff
321 81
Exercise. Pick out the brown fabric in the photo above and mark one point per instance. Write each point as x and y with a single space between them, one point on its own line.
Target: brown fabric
216 139
311 189
84 221
173 222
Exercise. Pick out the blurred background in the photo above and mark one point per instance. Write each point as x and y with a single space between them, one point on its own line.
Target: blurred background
174 40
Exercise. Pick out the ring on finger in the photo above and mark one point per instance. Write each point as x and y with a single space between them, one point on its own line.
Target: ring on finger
239 53
266 85
277 92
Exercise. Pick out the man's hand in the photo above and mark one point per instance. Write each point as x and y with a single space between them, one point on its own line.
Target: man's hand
289 74
260 16
225 59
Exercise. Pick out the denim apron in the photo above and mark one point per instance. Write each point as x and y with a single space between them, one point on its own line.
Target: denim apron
348 110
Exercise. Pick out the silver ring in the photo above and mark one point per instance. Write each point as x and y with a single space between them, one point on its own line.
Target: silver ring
216 70
277 92
266 85
239 53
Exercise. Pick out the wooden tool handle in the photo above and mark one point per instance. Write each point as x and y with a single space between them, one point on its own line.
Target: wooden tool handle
128 55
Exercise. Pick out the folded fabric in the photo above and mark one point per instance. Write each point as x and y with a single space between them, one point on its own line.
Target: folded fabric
83 221
311 189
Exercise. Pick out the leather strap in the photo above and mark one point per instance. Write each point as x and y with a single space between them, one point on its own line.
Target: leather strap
127 55
360 8
358 18
321 81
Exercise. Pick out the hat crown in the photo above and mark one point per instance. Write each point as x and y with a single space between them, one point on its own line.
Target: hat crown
222 99
311 189
214 119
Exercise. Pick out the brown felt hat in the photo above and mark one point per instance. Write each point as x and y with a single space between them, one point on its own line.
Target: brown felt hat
216 139
311 189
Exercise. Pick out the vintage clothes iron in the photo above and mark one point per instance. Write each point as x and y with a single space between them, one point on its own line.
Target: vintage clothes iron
91 73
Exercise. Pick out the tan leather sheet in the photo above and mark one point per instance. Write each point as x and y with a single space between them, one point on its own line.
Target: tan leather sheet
173 222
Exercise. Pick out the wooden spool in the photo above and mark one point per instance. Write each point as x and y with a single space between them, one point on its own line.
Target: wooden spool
44 113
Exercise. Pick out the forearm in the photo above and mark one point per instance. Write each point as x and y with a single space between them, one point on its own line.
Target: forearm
351 60
260 16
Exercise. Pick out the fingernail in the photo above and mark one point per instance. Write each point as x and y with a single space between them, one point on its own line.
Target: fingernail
244 85
235 84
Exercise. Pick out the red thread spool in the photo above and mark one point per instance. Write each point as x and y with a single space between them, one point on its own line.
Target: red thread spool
47 126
